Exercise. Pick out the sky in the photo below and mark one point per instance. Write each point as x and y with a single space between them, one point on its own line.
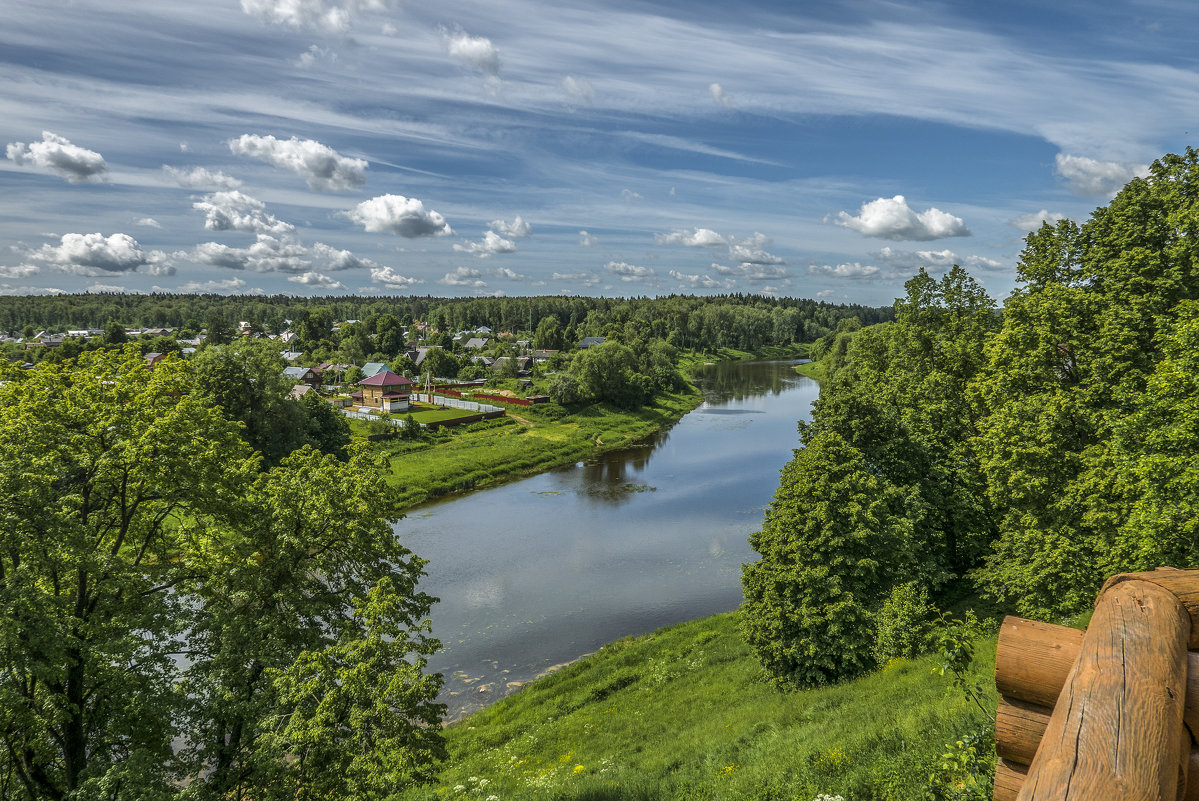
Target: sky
579 147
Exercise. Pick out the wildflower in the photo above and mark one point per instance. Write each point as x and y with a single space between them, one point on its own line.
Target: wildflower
579 769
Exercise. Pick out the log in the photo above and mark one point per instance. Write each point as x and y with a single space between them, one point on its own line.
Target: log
1117 730
1183 584
1009 778
1032 659
1019 727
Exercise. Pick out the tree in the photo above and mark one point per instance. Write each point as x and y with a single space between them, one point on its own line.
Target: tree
219 332
607 373
139 529
440 363
549 334
832 545
114 334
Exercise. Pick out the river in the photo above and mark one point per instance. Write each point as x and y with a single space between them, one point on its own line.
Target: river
538 572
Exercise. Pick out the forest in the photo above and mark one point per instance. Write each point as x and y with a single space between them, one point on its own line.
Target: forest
1018 454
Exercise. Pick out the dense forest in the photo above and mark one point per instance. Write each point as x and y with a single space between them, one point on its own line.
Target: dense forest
747 322
1024 453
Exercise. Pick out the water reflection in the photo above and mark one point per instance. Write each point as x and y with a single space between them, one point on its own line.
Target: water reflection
538 572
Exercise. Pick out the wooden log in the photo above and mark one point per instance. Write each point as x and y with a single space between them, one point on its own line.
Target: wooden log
1009 778
1019 727
1116 731
1184 584
1032 659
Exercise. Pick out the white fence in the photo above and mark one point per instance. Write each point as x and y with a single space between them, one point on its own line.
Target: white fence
455 403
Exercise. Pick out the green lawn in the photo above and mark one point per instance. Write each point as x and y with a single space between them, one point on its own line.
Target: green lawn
686 713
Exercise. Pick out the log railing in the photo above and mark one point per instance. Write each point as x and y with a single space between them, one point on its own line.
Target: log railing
1111 713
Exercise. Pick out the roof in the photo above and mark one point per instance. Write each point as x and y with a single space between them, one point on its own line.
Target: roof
371 368
590 342
475 342
386 378
298 373
300 390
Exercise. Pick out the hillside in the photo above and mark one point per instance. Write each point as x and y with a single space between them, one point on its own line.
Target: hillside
688 713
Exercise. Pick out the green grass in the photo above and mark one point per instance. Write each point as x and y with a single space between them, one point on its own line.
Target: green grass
686 713
812 370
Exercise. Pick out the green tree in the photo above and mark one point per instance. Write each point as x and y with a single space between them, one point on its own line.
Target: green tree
114 334
326 428
441 363
549 334
833 542
218 330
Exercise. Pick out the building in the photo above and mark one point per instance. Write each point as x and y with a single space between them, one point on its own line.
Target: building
385 391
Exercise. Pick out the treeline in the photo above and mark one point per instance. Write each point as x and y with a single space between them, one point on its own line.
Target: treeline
1028 452
746 322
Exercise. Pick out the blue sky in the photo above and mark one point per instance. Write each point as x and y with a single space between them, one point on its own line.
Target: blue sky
512 147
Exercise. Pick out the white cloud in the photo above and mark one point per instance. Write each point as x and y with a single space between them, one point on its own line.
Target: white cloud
517 229
491 244
321 166
314 54
586 279
390 279
935 260
85 254
333 259
695 281
1027 222
696 238
587 240
112 289
266 255
237 211
147 222
477 51
20 271
852 270
57 154
332 17
464 276
579 90
318 280
1094 178
201 178
890 218
754 273
629 194
406 217
750 250
629 272
506 274
720 96
205 287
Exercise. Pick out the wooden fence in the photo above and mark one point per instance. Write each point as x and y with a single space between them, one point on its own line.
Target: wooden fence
1106 714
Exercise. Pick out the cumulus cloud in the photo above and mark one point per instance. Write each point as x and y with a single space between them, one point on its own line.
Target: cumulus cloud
751 250
695 238
321 166
20 271
334 17
464 276
579 90
112 289
406 217
318 280
890 218
491 244
314 54
587 240
390 279
1027 222
506 274
1093 178
96 254
267 254
237 211
206 287
852 270
720 96
201 178
754 273
333 259
147 222
517 229
935 260
477 51
57 154
629 272
695 281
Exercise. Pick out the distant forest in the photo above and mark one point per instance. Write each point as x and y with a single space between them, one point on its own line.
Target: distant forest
739 321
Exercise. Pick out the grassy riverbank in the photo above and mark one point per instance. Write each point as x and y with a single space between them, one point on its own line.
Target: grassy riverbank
686 713
533 439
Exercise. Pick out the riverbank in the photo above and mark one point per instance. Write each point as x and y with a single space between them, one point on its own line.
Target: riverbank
534 439
686 712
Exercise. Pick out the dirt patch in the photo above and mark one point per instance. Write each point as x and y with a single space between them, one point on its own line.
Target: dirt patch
507 393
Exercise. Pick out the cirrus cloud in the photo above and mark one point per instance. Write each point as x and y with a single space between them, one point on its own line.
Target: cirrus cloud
57 154
891 218
321 166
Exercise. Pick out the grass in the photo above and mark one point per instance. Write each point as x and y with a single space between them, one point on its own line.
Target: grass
812 370
529 440
686 713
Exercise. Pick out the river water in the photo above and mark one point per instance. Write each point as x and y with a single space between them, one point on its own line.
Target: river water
538 572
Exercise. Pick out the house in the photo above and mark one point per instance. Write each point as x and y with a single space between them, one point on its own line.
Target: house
373 368
482 330
476 343
152 359
542 356
385 391
591 342
305 374
291 355
300 390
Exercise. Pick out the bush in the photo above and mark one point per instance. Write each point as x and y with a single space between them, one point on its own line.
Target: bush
904 623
